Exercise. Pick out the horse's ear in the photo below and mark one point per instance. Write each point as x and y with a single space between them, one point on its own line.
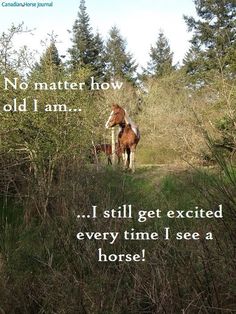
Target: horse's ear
115 106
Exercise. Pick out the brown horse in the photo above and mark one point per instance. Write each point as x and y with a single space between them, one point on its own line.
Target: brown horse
107 150
129 135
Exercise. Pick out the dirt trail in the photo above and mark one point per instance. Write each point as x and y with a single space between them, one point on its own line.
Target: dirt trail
161 170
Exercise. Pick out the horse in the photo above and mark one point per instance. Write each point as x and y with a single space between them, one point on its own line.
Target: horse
128 136
107 150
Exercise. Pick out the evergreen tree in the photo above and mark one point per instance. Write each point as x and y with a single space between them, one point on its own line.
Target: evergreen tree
50 65
82 48
194 64
161 57
215 36
99 57
51 57
119 62
87 50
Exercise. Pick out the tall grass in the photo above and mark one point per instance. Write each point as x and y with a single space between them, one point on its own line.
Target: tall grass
45 269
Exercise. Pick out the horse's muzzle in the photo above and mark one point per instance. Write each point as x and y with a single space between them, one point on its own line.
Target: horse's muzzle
109 125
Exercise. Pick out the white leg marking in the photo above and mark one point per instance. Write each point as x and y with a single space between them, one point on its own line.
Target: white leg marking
125 159
132 161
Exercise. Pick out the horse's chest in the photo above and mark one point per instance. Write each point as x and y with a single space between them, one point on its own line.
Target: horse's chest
126 137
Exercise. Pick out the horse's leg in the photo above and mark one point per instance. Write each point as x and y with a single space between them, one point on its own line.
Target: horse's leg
118 160
132 159
125 158
123 155
109 162
132 166
128 158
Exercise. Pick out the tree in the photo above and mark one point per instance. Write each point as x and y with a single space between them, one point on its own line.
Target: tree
119 62
161 62
82 48
194 65
87 50
99 57
12 60
214 33
50 59
49 67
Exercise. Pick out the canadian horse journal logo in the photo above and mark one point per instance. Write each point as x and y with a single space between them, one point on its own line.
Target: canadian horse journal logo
26 4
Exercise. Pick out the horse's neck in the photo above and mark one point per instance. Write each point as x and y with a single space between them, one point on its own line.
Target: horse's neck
131 123
122 126
127 119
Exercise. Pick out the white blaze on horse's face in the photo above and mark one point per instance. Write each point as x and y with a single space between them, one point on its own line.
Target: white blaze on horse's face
107 125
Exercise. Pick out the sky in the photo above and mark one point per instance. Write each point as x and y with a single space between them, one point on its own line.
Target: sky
139 21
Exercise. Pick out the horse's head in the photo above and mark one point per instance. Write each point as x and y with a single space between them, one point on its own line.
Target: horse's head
117 116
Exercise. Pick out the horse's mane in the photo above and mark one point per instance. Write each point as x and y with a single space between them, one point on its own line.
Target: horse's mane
128 120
